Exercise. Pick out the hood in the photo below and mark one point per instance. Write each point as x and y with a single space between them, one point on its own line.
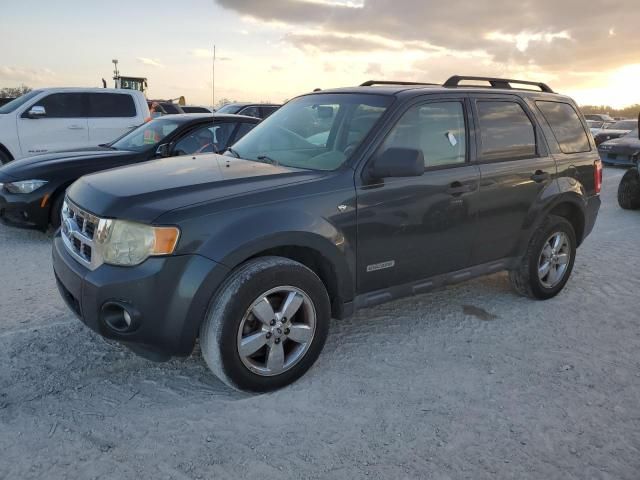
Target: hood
145 191
42 167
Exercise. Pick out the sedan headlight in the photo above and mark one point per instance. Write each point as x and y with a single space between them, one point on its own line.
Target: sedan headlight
125 243
24 186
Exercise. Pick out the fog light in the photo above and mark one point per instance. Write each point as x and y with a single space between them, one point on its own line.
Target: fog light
118 317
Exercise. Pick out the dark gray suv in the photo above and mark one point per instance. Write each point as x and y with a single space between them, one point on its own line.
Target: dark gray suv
340 200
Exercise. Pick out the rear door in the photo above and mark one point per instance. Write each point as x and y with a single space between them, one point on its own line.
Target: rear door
418 227
110 116
62 127
515 168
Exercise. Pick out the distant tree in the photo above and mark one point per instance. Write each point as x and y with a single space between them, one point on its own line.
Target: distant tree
14 92
627 112
222 102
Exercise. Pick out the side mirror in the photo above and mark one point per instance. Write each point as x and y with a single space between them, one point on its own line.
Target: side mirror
398 162
37 111
163 150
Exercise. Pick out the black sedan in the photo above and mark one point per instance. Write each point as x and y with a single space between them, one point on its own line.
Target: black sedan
32 189
620 151
615 130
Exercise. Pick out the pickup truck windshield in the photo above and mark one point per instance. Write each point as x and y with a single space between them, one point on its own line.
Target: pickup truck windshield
18 102
315 132
147 135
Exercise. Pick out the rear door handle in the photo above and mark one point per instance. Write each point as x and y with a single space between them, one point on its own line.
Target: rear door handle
75 127
457 188
540 176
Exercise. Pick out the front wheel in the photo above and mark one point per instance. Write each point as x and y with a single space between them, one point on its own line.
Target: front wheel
629 190
267 325
545 268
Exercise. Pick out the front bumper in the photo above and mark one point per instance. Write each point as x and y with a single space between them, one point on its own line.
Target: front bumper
169 295
612 157
24 210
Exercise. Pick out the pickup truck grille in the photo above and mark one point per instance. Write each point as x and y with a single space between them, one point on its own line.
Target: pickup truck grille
78 229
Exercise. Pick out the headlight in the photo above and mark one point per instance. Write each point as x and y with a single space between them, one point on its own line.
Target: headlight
24 186
120 242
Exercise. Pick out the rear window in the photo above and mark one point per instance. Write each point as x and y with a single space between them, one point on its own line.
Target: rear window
506 132
111 105
566 126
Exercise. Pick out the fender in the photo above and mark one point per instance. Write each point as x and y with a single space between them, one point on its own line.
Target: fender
564 190
277 226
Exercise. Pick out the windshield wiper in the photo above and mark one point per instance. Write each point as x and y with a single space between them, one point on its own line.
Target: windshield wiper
267 159
107 145
233 152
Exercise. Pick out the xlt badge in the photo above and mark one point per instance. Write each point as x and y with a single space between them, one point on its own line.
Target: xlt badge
381 266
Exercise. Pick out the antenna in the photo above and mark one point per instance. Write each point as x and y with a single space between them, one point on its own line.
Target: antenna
213 101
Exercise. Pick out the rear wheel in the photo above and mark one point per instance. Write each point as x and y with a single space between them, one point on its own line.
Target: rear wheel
629 190
545 269
267 325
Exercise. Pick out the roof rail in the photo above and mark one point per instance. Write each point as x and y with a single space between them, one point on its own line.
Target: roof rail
496 82
371 83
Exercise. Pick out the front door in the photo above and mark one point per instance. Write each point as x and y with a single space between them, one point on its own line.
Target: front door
62 127
418 227
515 169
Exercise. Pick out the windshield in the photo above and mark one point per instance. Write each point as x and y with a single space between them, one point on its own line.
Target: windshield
315 132
147 135
18 102
623 125
228 108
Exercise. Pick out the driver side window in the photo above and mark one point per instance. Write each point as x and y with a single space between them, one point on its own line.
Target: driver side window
437 129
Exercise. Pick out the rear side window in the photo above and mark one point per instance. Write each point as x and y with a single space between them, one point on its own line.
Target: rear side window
566 126
266 111
250 112
243 130
111 105
506 133
437 129
63 105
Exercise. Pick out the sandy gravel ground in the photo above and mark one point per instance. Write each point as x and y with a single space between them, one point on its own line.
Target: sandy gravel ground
472 382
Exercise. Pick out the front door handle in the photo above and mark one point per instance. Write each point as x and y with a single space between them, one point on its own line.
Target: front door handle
457 188
75 127
540 176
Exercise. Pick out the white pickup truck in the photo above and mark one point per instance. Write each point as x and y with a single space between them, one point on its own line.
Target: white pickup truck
53 119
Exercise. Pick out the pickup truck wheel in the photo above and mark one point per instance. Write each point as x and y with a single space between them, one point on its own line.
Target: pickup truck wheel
545 268
629 190
267 324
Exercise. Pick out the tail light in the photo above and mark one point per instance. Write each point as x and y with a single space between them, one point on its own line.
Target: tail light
597 175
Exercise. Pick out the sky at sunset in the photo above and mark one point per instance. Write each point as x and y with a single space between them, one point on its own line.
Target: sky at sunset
270 50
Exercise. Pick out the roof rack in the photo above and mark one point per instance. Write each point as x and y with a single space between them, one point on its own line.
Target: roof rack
371 83
496 82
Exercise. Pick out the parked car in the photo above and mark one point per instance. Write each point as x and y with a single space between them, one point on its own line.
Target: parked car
54 119
596 126
258 110
629 188
159 108
620 151
615 130
599 117
195 109
252 252
32 189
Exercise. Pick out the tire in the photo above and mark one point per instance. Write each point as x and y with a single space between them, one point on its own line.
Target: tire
526 279
629 190
4 158
231 319
56 210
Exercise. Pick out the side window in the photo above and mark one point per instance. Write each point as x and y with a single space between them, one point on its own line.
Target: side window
506 133
111 105
266 111
63 105
243 130
438 129
566 126
250 112
206 139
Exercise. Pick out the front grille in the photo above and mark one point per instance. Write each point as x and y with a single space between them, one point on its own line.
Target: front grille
78 231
